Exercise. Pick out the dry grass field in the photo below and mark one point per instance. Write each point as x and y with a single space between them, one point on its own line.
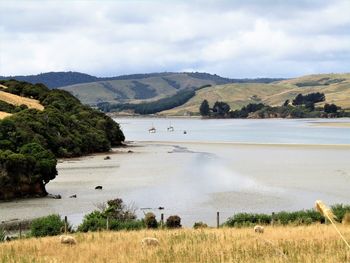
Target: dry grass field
274 94
18 100
316 243
4 114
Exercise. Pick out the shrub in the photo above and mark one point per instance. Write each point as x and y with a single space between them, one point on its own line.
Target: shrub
94 221
173 222
200 225
150 220
339 210
46 226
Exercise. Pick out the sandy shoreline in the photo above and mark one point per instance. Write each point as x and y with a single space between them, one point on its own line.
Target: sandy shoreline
332 124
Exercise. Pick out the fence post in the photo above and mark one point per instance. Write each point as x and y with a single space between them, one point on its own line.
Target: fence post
273 218
107 223
217 219
20 230
65 225
162 219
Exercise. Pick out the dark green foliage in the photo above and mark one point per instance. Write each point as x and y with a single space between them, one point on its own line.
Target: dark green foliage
198 225
118 210
150 220
204 108
56 79
172 83
173 222
119 217
47 226
309 98
31 140
330 108
339 210
302 217
178 99
220 109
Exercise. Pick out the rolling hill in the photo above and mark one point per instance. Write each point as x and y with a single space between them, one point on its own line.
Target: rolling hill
336 87
136 88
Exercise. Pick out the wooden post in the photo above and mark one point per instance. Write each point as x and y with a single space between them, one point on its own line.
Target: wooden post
20 230
273 218
107 223
162 219
217 219
65 225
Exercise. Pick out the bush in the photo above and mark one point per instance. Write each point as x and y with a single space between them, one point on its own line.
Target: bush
200 225
150 220
339 210
126 225
47 226
173 222
94 221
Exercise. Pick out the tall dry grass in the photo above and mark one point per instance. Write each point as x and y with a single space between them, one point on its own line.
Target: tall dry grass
316 243
18 100
4 114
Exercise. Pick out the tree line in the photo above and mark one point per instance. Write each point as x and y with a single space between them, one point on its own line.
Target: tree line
31 140
302 106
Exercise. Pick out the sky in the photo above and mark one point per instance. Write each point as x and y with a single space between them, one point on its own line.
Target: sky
237 39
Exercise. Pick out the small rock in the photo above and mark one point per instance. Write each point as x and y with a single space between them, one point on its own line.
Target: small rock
99 187
107 158
130 151
73 196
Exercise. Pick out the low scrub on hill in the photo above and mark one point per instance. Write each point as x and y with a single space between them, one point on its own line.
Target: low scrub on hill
31 140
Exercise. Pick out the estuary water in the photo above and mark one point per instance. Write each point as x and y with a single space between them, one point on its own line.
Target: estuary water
275 131
228 166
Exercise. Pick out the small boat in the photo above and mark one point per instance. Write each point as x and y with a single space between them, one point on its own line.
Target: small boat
152 130
170 128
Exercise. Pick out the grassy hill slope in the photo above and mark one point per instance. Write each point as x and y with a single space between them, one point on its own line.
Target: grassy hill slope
140 88
335 86
315 243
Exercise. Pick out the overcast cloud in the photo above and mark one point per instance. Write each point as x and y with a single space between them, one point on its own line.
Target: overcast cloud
253 38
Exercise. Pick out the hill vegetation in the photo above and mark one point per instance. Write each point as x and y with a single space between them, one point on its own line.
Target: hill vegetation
32 139
238 95
303 106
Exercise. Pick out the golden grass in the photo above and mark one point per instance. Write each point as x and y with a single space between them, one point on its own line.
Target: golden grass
273 94
4 115
316 243
18 100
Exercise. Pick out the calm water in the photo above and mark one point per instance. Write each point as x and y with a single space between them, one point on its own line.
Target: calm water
194 179
251 131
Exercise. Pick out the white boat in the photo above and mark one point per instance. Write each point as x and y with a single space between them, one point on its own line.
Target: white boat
152 129
170 128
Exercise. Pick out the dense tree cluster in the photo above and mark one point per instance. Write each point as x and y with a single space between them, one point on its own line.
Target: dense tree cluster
30 140
167 103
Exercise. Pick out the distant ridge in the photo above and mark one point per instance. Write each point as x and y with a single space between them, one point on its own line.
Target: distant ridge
67 78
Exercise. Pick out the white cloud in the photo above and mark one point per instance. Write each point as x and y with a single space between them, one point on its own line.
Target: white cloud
230 38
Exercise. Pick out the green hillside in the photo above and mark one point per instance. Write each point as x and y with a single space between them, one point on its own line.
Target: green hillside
336 87
141 88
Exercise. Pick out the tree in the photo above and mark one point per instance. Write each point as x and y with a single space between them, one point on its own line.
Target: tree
221 108
299 99
286 103
204 108
330 108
